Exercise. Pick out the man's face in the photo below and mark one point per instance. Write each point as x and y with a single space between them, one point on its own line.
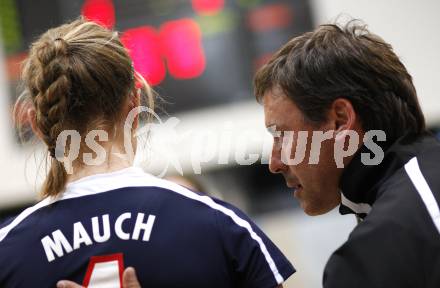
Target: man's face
314 185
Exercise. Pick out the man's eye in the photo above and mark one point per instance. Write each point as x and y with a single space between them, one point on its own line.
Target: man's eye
271 131
274 132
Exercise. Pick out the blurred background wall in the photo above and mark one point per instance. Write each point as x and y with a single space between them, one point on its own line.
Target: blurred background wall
209 113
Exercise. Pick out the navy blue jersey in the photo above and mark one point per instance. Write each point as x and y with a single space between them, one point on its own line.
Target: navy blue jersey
172 236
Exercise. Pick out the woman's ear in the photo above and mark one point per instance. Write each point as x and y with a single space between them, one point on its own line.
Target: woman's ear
135 101
32 117
135 98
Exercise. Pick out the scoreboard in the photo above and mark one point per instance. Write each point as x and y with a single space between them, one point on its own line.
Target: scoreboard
196 53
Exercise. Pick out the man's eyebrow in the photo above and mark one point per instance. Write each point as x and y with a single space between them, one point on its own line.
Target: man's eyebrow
269 125
272 129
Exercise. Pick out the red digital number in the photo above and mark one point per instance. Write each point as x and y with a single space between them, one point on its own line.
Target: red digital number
179 44
100 11
182 46
143 44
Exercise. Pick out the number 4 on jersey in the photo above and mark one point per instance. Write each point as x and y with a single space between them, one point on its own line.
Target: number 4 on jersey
105 271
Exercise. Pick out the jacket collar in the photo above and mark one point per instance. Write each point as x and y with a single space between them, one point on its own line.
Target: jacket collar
360 183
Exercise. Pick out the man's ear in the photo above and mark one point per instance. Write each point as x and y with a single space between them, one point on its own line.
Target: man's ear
342 115
32 117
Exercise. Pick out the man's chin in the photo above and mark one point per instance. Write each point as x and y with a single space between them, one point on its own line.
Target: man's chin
312 210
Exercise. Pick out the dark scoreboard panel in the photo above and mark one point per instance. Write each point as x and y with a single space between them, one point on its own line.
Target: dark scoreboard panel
196 53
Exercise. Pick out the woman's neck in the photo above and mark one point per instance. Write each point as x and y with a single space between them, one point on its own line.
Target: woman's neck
114 162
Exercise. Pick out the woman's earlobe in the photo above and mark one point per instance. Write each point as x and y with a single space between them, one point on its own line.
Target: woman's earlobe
32 118
135 98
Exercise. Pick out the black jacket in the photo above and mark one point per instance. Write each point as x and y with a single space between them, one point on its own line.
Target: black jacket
398 242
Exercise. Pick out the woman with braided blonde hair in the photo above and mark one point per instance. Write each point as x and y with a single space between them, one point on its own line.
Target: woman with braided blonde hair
80 77
99 213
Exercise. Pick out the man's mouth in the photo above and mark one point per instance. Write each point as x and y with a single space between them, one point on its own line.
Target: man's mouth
296 190
295 186
293 183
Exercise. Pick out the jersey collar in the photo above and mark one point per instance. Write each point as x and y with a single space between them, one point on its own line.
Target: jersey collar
97 183
360 183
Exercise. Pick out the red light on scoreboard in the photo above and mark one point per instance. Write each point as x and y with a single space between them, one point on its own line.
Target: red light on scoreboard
207 7
99 11
182 47
144 47
270 17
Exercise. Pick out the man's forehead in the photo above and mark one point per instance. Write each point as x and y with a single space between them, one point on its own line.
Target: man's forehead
274 93
275 108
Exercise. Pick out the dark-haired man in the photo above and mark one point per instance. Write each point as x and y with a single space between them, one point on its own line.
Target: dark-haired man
337 82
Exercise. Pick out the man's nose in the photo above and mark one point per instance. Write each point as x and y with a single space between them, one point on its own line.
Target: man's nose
275 163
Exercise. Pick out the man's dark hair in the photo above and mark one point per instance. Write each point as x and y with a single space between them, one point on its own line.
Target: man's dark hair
347 62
